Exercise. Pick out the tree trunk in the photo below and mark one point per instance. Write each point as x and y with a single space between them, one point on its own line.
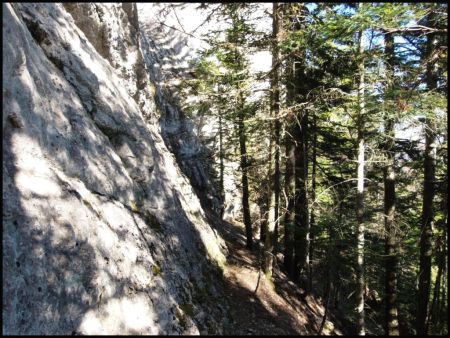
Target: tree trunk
244 168
442 301
330 255
221 159
263 212
391 327
300 135
428 196
434 313
276 176
427 228
360 193
294 85
275 107
243 151
312 222
301 235
289 218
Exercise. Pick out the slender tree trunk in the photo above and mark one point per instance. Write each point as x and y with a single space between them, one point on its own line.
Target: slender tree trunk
300 134
330 276
428 196
276 110
336 253
301 235
442 305
221 158
268 244
391 241
433 316
312 222
289 218
275 107
391 327
327 303
442 264
271 217
276 176
360 194
442 302
264 218
243 153
244 168
294 17
270 200
427 229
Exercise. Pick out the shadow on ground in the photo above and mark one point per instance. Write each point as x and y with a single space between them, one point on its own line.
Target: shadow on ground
256 306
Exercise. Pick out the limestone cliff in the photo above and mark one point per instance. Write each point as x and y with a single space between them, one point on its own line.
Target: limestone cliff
102 232
166 53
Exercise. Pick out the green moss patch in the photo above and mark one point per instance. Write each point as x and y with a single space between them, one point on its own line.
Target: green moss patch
134 206
187 309
152 221
156 269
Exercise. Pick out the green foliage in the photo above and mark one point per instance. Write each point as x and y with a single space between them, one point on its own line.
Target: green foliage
188 309
322 39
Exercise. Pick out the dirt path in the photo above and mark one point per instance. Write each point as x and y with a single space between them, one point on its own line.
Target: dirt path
258 307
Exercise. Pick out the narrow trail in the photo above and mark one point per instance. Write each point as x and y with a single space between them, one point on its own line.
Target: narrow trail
257 306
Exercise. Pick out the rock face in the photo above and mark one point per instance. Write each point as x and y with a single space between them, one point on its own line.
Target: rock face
166 54
102 232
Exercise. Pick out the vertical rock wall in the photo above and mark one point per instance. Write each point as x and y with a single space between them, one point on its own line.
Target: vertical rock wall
113 30
102 232
166 55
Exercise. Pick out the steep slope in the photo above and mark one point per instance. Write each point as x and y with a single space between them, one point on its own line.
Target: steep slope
102 233
260 307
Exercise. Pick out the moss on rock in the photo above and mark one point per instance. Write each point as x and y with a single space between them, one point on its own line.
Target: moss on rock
156 269
188 309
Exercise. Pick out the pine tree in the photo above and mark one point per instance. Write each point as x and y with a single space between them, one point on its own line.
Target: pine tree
428 195
389 198
274 194
360 188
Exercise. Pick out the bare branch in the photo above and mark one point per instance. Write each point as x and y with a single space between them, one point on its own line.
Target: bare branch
417 28
176 16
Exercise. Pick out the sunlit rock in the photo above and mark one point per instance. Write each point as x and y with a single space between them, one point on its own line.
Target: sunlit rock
93 199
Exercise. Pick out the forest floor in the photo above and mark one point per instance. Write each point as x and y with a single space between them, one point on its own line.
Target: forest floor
258 306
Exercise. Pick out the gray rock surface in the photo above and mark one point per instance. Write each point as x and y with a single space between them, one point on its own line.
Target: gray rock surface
167 53
102 232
